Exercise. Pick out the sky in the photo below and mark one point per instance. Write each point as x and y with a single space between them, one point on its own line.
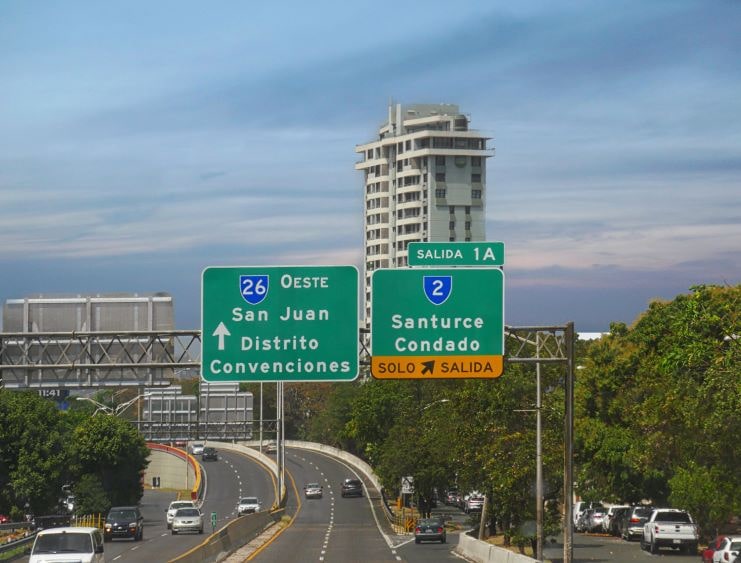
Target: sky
141 142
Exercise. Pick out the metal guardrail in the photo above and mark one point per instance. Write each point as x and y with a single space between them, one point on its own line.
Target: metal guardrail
16 549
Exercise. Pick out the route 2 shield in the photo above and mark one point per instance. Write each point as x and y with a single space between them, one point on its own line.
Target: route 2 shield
254 288
437 288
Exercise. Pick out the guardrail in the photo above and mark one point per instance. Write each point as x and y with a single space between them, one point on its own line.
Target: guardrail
16 549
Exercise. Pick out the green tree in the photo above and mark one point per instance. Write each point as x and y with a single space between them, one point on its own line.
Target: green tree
32 451
112 450
90 496
657 402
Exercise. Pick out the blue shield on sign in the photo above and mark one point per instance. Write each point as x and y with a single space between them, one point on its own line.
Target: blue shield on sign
437 288
254 288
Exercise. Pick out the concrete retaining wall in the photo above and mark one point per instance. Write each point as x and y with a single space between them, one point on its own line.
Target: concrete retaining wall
483 552
171 469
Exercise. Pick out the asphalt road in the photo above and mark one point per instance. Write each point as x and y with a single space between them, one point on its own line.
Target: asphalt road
232 476
336 529
595 548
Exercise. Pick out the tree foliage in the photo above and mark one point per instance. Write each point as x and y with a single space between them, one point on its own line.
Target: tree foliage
658 403
43 448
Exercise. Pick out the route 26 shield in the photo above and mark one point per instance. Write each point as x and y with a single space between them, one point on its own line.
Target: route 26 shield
254 288
437 288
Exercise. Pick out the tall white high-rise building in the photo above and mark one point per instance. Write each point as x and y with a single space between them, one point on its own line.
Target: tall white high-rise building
425 180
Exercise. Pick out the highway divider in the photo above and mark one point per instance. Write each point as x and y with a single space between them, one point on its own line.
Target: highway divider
234 535
483 552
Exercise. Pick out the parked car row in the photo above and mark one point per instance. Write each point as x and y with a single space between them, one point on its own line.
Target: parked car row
471 502
655 528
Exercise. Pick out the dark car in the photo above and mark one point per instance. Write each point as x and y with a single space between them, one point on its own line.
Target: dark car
430 529
631 524
352 488
209 454
124 522
582 523
617 514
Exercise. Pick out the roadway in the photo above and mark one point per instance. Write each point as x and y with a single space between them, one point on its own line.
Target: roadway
232 476
336 529
601 547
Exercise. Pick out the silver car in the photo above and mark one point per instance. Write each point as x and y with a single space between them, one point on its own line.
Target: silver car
313 490
175 506
187 520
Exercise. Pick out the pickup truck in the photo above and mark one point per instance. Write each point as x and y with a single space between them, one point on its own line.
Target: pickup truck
669 527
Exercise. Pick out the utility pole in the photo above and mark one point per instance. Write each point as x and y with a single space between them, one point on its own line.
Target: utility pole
568 474
538 457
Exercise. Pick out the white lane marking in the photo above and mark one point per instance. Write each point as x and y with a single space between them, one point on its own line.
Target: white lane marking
117 557
134 548
163 535
402 544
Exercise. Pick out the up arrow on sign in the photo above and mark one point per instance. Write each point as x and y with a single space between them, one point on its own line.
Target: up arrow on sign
221 331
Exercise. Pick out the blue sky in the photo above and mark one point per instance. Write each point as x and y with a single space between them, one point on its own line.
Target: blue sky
144 141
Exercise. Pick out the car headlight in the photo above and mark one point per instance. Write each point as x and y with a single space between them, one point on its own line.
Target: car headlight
108 526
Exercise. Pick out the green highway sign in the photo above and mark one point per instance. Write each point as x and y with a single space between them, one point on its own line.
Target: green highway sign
456 254
437 323
279 323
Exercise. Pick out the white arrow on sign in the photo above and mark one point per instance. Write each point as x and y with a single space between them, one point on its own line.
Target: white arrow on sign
221 331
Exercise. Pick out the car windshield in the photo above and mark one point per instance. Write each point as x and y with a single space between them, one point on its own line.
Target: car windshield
312 486
176 505
248 500
187 512
430 522
66 542
352 482
644 512
122 515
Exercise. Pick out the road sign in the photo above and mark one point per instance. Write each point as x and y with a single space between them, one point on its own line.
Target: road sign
407 485
456 254
437 323
279 323
213 520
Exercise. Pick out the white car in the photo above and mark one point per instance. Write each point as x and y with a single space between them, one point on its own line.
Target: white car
174 506
729 549
68 544
187 520
248 505
313 490
196 448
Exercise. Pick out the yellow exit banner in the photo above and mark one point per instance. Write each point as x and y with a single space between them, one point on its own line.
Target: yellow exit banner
436 367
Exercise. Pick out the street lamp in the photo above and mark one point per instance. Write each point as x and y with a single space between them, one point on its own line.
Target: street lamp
434 403
112 411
